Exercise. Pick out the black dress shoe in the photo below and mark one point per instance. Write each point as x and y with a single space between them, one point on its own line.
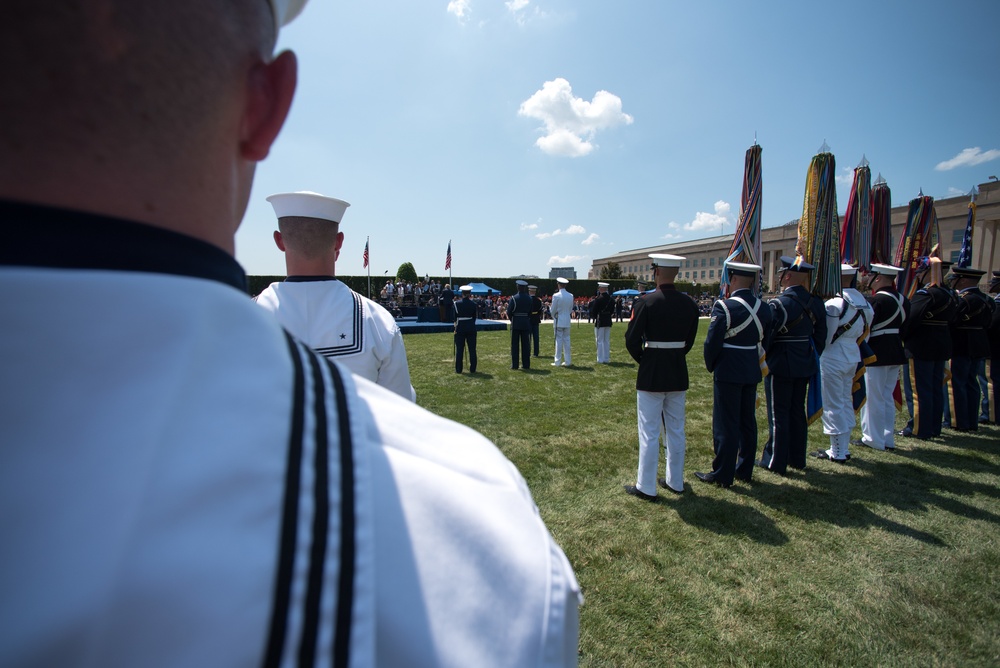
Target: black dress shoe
821 454
635 491
662 482
709 477
906 431
744 478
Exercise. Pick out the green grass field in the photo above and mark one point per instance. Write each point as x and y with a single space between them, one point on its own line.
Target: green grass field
890 560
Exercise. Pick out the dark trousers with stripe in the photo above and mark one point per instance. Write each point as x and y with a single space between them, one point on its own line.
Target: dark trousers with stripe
734 428
787 415
520 340
465 340
534 337
927 379
965 393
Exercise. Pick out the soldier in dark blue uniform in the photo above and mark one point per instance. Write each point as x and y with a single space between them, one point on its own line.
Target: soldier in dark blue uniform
927 340
970 345
536 317
992 411
733 352
519 312
659 335
601 312
465 330
798 338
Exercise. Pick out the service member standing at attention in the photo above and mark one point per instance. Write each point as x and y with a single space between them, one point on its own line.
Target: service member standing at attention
847 318
519 313
465 330
927 339
561 310
992 411
889 312
602 310
799 334
733 352
536 317
321 311
659 336
970 345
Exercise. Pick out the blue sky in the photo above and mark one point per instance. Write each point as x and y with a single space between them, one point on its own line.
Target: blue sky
541 133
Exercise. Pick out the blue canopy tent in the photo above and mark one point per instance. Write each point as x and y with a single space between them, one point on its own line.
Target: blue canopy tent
626 293
480 289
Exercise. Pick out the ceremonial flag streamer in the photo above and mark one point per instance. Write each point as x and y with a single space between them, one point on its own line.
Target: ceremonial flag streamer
881 199
819 228
856 235
919 235
965 255
746 241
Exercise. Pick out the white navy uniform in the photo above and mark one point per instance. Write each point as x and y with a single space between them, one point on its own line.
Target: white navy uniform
561 309
847 317
184 484
342 325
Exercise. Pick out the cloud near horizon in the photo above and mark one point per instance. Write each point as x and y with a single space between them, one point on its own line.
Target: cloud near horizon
704 221
564 259
459 8
594 236
572 229
529 226
571 122
968 157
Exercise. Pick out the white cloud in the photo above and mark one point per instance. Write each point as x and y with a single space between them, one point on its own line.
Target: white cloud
591 239
572 229
969 157
459 8
710 222
671 237
674 226
529 226
571 122
563 260
576 229
517 5
846 177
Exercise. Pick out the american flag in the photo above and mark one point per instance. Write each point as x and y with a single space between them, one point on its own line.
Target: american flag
447 259
965 255
365 256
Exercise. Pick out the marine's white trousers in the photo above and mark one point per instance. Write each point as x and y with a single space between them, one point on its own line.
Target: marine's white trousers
878 415
603 337
563 353
660 411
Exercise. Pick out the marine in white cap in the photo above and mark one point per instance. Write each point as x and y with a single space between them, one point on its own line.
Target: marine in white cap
733 353
889 312
323 312
659 335
183 483
561 310
848 316
602 311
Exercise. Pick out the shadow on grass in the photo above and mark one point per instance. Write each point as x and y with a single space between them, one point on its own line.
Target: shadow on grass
726 518
479 375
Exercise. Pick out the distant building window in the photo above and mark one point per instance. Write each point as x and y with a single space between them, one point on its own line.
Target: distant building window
711 273
711 262
703 271
957 236
703 264
687 263
954 255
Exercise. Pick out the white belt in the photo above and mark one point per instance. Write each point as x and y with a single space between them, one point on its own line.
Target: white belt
883 331
469 318
664 344
733 345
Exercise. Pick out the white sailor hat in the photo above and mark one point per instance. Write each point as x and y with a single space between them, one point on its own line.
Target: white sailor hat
602 285
562 281
306 204
847 269
532 287
521 282
743 268
465 288
885 269
666 260
286 10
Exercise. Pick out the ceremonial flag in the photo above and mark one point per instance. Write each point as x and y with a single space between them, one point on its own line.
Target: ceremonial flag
365 256
919 235
855 236
881 222
746 241
819 228
965 255
447 259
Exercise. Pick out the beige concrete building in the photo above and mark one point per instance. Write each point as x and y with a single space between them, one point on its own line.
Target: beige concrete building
705 257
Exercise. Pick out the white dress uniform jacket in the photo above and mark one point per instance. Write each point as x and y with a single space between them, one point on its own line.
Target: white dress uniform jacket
184 484
561 310
847 317
341 324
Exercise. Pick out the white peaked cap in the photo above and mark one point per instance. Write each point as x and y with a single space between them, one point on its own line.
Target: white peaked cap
743 268
666 260
466 288
286 10
308 205
847 269
562 281
885 269
602 285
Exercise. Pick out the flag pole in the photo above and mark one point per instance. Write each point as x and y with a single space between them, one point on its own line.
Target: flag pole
369 265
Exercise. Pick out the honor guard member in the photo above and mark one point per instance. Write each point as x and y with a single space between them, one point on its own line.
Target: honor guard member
927 340
561 310
970 345
799 335
889 311
536 317
734 354
992 411
658 337
182 483
602 311
321 311
847 319
465 330
519 313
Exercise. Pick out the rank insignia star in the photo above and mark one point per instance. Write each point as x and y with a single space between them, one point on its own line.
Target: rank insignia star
343 336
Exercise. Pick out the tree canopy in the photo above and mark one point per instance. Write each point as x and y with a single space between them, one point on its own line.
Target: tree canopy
407 272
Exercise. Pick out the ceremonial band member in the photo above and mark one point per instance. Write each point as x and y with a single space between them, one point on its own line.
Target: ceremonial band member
601 312
561 310
799 335
970 345
519 313
536 317
183 483
733 353
659 335
321 311
927 340
465 330
890 311
847 318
